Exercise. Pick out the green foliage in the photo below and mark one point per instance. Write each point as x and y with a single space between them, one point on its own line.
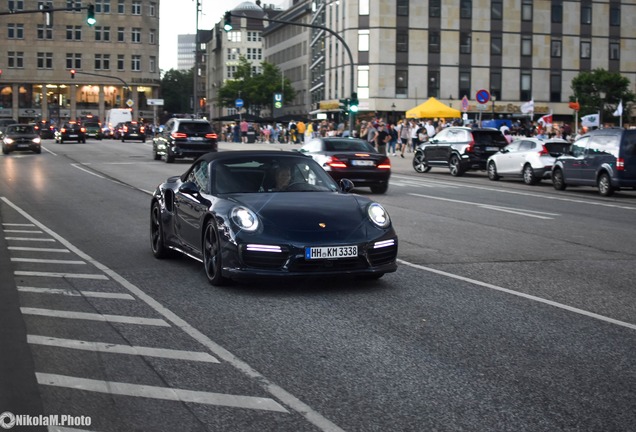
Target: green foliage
256 90
589 86
176 91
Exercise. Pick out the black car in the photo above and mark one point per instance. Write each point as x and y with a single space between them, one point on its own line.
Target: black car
133 130
183 138
70 131
45 129
605 158
459 148
21 137
231 211
351 158
93 130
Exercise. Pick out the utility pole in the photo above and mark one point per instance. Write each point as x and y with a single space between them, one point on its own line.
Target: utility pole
195 71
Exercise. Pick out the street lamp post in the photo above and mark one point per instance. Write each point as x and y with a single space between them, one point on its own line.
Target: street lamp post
393 113
602 95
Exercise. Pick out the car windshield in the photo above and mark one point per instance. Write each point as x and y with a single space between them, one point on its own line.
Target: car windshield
92 125
20 129
270 174
194 127
488 137
348 145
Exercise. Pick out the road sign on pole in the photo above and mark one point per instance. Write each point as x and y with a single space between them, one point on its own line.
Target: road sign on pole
238 103
465 104
482 96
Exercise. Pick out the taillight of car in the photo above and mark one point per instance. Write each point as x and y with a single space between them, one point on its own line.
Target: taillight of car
334 162
63 130
82 129
544 151
385 164
142 129
620 164
125 128
471 146
177 135
211 136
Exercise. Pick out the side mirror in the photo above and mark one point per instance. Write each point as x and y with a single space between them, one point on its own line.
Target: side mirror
189 188
346 185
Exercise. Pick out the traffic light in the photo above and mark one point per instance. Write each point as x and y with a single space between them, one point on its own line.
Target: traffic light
72 73
227 26
343 104
90 16
353 102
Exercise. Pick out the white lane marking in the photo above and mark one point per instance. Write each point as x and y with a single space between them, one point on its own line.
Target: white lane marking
288 399
520 294
121 349
87 171
32 249
163 393
60 275
17 224
94 317
47 261
521 212
30 239
15 231
73 293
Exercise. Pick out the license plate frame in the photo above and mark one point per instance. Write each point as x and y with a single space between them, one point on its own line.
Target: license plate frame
331 252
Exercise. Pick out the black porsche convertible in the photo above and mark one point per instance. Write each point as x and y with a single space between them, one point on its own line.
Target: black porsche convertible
248 214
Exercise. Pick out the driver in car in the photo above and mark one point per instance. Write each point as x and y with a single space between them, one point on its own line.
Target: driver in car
282 178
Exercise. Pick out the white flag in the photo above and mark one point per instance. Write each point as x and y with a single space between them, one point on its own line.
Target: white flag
619 109
528 107
590 120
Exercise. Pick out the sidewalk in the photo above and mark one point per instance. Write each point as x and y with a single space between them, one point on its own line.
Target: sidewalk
398 164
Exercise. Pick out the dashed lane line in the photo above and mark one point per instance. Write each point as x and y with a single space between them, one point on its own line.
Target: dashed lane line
74 293
60 275
94 316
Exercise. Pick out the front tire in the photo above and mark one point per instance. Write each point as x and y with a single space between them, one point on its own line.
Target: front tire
605 187
420 164
528 175
455 166
212 255
492 172
557 180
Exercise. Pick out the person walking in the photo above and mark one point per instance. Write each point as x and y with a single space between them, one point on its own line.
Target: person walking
405 137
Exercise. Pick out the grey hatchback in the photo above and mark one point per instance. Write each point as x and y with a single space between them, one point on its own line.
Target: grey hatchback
605 158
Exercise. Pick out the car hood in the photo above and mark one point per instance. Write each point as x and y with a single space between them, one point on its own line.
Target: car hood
310 216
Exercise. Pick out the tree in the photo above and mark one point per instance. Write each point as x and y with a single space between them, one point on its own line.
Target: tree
600 90
256 90
176 91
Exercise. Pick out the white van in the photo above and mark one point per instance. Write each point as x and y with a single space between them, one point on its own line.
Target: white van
114 116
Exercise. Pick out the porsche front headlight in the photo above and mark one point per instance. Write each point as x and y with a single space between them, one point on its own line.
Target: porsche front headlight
245 218
378 215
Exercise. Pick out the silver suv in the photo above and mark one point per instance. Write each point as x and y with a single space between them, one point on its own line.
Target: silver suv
184 138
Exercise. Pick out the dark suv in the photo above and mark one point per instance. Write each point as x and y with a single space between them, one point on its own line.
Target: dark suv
133 130
605 158
459 148
70 131
183 138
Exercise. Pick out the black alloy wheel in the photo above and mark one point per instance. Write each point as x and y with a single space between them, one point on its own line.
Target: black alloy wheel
159 250
212 255
455 166
420 164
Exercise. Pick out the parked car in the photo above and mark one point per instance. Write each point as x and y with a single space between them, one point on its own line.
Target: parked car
183 138
605 158
21 137
351 158
528 158
93 130
45 129
70 131
239 227
459 148
133 130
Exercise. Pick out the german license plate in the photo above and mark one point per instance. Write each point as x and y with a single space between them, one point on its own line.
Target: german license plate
331 252
72 136
492 148
196 139
357 162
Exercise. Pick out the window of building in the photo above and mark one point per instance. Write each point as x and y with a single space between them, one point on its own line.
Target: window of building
73 61
135 62
152 9
102 33
363 82
433 83
466 9
557 13
121 6
464 82
586 14
496 43
555 48
615 16
135 35
496 10
526 46
152 64
45 60
102 6
614 50
465 39
434 8
402 8
73 32
15 31
234 36
136 7
120 62
102 61
152 36
401 82
363 40
363 7
73 4
526 10
253 36
43 32
433 41
525 86
17 5
495 85
402 42
121 34
15 59
586 49
555 87
231 70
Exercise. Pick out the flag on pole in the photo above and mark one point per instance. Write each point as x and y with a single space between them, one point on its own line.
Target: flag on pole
528 107
619 109
546 120
590 120
575 105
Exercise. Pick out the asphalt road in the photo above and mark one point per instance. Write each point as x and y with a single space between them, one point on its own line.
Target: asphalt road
513 309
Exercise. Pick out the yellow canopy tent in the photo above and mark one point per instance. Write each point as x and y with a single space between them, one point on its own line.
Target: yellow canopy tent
432 108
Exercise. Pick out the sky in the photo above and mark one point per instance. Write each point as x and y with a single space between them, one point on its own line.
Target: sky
179 17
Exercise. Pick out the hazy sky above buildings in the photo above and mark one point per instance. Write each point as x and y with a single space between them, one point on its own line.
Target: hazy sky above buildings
179 17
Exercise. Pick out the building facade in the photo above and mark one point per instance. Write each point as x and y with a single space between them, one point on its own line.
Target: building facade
116 61
186 45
